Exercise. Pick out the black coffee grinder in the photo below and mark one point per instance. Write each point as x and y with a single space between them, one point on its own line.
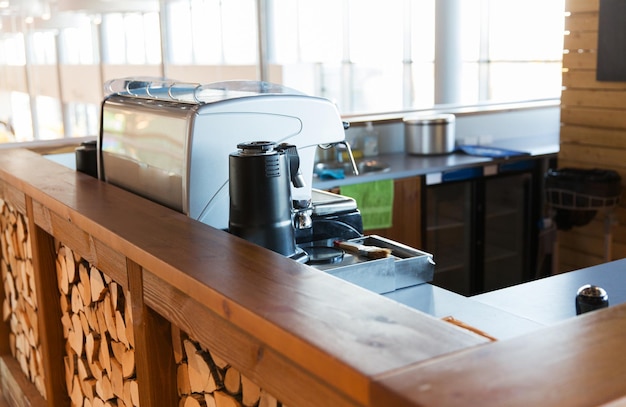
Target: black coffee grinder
261 208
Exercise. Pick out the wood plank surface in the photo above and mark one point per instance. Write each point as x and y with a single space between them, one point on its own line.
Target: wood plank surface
109 261
572 258
582 238
523 371
586 79
5 344
283 320
581 6
580 40
49 312
156 368
594 117
13 196
17 390
590 136
322 324
263 364
331 359
582 21
606 157
591 120
579 60
576 250
593 98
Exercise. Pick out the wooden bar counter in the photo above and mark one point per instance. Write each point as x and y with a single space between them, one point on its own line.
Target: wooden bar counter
112 300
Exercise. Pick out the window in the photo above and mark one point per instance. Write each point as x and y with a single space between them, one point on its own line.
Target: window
131 38
49 118
21 119
14 52
44 48
212 32
369 55
365 55
525 59
83 119
47 111
77 43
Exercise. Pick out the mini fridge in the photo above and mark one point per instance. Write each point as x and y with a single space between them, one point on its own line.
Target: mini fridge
482 229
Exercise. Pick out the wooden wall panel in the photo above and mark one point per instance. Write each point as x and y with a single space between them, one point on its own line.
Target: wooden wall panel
587 80
581 40
579 60
593 135
581 5
593 98
582 21
588 135
595 156
591 117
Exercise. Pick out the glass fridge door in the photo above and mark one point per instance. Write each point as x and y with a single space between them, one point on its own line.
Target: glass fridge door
449 234
507 230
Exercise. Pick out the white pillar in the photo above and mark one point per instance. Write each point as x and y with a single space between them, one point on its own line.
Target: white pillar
262 30
164 28
448 60
28 70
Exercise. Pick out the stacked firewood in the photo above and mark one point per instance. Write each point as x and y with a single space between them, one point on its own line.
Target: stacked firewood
19 307
206 380
97 325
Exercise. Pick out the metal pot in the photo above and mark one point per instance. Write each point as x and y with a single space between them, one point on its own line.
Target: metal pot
426 135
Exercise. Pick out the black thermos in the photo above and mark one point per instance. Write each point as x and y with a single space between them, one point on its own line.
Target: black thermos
590 298
87 158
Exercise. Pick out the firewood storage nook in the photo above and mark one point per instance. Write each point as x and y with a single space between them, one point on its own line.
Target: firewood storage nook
112 300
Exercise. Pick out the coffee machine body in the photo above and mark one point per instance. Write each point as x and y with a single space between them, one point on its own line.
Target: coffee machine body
169 141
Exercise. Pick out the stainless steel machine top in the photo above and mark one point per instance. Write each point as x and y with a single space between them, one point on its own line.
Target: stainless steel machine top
170 141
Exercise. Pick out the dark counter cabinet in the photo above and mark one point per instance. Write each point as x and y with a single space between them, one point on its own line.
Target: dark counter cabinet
482 226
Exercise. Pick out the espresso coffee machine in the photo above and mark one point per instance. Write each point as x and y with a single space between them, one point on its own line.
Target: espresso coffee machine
173 143
170 141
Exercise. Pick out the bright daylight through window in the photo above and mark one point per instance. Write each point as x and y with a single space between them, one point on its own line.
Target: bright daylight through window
364 55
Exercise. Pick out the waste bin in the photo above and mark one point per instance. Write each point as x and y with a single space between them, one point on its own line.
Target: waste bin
577 194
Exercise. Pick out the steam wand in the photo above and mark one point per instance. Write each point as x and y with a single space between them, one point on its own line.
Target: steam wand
349 150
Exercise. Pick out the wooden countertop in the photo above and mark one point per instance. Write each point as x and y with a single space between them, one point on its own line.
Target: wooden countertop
371 350
580 362
334 330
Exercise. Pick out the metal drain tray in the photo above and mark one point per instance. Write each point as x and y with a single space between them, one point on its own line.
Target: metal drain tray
405 266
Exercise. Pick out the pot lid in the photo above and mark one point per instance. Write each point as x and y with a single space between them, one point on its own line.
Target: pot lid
443 118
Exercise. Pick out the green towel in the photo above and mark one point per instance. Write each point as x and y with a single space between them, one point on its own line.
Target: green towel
375 201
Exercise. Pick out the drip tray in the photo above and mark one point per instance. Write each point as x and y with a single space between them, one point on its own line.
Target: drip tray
405 266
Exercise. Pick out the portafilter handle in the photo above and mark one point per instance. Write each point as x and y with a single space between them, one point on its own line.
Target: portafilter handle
293 159
302 208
